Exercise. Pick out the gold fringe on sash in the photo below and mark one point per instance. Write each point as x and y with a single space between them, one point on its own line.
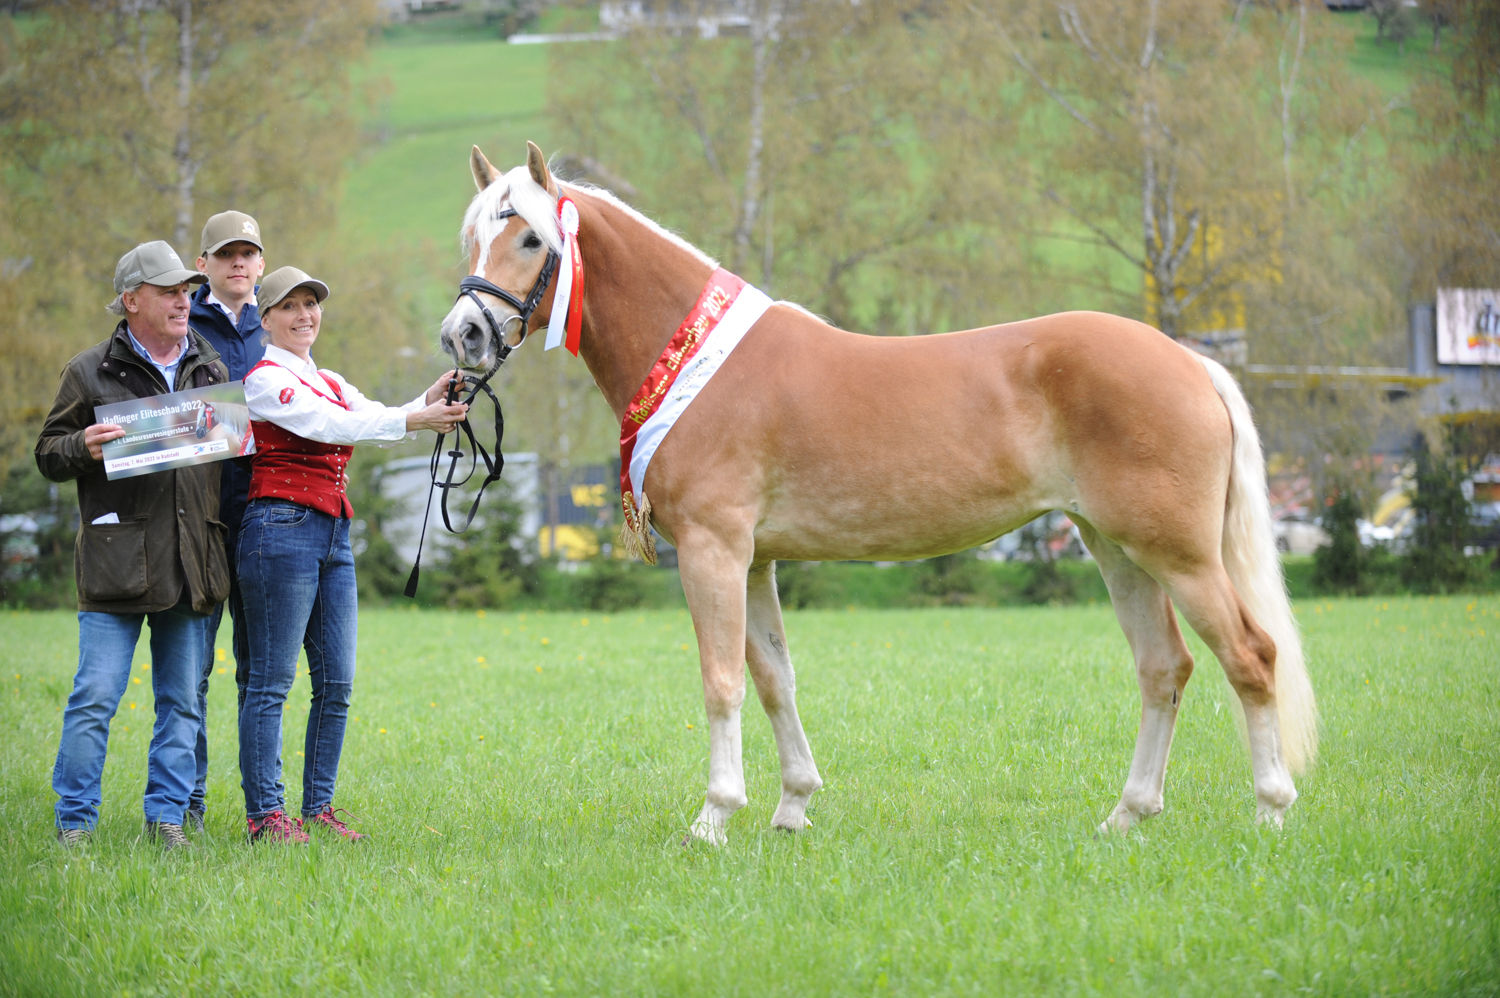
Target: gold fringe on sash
635 532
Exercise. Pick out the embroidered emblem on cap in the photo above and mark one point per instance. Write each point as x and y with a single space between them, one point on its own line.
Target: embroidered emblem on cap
286 395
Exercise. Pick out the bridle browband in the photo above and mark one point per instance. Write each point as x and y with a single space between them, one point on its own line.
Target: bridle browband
495 463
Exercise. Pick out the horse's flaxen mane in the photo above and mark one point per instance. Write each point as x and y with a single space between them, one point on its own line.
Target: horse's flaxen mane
517 190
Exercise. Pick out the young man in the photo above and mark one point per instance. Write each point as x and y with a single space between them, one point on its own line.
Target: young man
149 549
224 313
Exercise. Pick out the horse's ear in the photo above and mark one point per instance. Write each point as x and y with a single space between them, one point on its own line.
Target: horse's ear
484 172
537 164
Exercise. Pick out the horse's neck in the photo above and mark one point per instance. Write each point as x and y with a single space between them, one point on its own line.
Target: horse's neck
638 287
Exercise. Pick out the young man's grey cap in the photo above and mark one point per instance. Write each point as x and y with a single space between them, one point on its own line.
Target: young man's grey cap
230 227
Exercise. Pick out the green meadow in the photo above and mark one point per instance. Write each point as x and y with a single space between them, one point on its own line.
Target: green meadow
527 780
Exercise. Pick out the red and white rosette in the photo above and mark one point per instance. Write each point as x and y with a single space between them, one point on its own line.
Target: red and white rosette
567 302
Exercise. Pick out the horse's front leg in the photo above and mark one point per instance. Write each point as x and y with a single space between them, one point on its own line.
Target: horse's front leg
713 580
776 684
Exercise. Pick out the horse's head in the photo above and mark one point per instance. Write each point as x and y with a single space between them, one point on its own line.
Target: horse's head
511 235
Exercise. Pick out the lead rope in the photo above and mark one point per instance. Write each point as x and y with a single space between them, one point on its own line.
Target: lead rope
493 464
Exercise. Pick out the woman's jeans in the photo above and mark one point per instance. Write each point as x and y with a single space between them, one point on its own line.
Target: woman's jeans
106 646
297 585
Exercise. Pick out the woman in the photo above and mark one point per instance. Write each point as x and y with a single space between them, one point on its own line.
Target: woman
296 567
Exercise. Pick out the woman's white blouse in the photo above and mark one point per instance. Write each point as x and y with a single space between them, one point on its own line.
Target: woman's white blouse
276 394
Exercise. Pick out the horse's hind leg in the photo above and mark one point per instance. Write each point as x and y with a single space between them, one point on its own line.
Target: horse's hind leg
776 684
1162 668
1211 606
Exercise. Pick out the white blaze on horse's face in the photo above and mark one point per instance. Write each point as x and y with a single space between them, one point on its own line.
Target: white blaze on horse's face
512 261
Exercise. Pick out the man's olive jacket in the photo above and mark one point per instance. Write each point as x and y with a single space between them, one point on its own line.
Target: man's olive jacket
168 546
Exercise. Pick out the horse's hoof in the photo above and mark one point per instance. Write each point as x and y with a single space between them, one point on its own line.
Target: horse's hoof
706 832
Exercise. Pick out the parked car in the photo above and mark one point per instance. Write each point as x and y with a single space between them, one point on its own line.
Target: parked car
1298 535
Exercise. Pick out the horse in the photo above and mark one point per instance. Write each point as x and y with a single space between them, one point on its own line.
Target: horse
811 443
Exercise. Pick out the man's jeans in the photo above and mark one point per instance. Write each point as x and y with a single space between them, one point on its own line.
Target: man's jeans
196 802
297 585
106 645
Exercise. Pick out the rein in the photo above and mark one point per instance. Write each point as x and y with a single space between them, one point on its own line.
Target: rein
493 463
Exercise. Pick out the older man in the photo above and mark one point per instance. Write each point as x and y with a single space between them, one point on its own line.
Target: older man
149 548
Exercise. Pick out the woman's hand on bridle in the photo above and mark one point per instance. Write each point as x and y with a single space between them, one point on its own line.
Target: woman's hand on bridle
439 416
439 389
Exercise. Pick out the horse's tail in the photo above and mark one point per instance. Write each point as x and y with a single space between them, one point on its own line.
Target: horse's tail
1254 567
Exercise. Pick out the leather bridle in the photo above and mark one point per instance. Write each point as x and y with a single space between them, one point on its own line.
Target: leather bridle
494 463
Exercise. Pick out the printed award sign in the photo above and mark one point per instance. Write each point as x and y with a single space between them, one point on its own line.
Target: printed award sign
1468 326
176 430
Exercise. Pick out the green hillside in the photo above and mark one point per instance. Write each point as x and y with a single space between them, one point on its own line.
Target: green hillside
446 83
440 95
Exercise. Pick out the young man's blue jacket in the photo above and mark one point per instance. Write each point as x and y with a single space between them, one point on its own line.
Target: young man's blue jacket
240 347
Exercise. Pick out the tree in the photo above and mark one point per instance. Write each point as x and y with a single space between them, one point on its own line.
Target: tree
1435 560
802 155
1449 222
126 120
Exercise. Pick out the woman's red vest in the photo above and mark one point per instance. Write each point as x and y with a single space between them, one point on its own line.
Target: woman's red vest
306 472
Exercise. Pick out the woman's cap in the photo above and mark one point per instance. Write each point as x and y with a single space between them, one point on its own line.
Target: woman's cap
153 263
283 281
230 227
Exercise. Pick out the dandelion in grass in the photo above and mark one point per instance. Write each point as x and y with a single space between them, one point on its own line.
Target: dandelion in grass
546 641
479 614
219 655
432 703
135 680
382 731
479 659
132 705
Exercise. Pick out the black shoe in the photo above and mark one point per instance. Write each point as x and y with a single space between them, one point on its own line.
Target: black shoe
73 838
168 835
194 821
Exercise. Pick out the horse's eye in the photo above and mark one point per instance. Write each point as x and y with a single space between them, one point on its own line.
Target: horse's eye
532 241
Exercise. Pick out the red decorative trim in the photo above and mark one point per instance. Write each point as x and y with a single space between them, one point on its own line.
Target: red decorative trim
718 294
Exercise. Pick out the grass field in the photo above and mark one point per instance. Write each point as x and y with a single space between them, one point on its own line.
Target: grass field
527 779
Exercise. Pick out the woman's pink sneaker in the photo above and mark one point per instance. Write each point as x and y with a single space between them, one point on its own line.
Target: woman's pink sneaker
329 818
277 827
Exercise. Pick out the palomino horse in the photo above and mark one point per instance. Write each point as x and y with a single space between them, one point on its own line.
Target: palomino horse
806 442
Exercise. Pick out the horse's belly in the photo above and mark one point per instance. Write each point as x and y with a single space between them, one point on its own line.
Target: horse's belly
886 526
